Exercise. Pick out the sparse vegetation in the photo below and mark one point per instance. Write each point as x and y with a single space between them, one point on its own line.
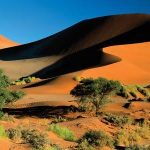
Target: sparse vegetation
143 91
132 137
123 92
25 80
59 119
2 132
94 93
7 96
63 132
13 134
138 147
4 80
5 117
77 78
95 139
35 139
118 120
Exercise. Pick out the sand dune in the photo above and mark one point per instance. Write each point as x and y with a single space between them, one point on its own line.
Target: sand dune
134 67
5 43
82 46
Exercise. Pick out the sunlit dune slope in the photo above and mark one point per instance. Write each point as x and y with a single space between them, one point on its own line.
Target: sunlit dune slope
134 67
5 43
83 46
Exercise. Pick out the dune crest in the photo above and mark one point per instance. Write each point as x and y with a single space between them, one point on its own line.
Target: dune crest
5 42
90 44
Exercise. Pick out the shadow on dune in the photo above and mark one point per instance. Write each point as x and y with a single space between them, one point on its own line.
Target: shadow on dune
80 46
40 111
89 58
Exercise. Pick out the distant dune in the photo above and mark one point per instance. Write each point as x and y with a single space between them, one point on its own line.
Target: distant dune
5 43
115 47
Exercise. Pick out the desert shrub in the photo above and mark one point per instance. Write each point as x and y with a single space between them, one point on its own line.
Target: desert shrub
127 139
142 122
1 115
77 78
25 80
59 119
123 92
63 132
34 138
143 132
138 147
13 134
96 139
2 132
143 91
133 94
118 120
17 95
7 96
5 117
4 80
84 145
94 94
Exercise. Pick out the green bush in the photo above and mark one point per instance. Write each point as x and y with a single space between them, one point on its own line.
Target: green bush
123 92
13 134
25 80
59 119
143 91
2 132
127 138
133 94
35 139
7 96
97 139
5 117
118 120
94 93
4 80
84 145
63 132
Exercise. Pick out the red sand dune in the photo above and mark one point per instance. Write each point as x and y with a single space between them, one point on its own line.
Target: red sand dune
133 68
80 49
5 43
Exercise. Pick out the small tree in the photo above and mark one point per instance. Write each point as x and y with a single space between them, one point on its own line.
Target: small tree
4 80
95 93
7 96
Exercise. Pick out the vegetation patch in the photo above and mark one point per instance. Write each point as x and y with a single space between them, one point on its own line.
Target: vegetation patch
63 132
118 120
25 80
128 137
143 91
94 93
96 139
2 132
138 147
35 139
7 96
59 119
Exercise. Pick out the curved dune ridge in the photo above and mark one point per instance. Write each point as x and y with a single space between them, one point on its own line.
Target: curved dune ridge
5 43
116 47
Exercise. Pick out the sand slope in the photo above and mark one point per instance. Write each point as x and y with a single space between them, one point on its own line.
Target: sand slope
82 47
5 43
134 67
